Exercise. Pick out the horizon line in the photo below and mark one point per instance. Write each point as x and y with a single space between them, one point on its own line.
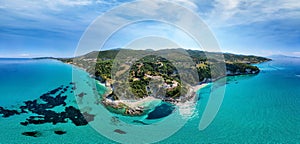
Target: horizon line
269 56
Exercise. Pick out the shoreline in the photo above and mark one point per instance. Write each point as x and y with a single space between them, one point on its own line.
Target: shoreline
136 103
136 107
141 106
200 86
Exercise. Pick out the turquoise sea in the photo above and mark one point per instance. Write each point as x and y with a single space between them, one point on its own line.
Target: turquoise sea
263 108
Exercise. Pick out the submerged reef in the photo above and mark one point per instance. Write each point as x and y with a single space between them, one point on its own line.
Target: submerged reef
32 133
43 105
60 132
119 131
7 113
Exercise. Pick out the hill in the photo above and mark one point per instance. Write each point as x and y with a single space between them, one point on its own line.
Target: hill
166 74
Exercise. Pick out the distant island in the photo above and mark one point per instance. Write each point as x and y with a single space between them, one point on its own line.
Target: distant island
134 77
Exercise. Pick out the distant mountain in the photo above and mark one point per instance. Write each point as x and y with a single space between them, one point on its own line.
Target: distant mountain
44 58
194 54
282 56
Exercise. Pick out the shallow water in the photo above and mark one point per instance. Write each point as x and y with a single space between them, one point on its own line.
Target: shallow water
262 108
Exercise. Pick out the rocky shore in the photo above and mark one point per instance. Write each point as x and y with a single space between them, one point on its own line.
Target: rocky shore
166 85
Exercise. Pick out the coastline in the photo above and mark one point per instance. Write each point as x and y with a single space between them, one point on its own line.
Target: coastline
141 102
139 107
150 99
200 86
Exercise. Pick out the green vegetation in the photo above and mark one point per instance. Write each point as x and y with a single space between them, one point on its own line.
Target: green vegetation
156 72
241 68
150 68
103 69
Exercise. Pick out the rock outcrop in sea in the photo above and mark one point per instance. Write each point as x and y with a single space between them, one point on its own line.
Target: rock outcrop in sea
43 106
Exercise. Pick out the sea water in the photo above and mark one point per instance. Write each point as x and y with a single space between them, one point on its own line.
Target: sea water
27 79
23 79
263 108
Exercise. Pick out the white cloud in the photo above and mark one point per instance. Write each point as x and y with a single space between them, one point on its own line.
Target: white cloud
236 12
296 53
191 4
57 16
141 10
43 4
24 55
70 2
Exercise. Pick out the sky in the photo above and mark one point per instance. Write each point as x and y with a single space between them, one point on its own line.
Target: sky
55 27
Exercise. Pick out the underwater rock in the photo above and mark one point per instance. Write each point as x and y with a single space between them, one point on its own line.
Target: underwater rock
115 120
60 132
48 117
74 87
75 116
52 102
119 131
24 123
70 112
52 99
88 117
81 94
7 113
140 122
32 134
55 90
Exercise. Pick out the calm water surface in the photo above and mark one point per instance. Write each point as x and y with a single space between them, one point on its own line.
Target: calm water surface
264 108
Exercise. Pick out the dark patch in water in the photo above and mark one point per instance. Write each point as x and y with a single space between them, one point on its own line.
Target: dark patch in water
88 117
74 87
60 132
119 131
55 90
200 97
7 113
52 117
32 134
81 94
115 120
52 99
140 122
161 111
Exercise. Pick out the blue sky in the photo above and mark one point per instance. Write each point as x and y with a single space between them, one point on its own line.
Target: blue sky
54 28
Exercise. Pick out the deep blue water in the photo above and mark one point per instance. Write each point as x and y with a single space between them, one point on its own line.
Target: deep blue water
23 79
161 111
263 108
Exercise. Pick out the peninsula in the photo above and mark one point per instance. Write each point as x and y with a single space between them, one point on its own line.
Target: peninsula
136 77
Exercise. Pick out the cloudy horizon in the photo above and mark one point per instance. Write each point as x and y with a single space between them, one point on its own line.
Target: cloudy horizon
53 28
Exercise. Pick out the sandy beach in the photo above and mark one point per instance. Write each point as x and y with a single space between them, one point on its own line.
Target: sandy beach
137 103
198 87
